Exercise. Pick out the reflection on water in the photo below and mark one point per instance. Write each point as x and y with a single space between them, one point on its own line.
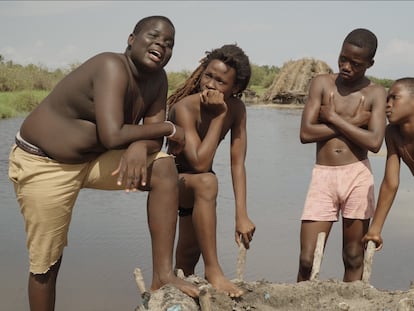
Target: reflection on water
109 236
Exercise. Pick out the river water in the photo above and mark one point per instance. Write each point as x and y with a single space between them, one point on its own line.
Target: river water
109 236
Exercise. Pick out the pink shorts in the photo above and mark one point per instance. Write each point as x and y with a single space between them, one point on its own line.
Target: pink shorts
346 188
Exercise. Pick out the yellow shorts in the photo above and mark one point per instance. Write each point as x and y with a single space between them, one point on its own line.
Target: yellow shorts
47 190
346 188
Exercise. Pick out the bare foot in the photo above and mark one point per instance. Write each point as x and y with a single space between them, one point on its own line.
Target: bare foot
186 287
222 284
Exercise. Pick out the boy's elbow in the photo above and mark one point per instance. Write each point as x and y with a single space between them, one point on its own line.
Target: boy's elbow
305 134
110 141
201 169
376 146
304 139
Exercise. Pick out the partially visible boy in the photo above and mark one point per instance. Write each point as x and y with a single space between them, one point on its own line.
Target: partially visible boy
345 116
85 134
207 107
399 138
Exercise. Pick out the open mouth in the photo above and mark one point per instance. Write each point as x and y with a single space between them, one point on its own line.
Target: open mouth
345 75
155 55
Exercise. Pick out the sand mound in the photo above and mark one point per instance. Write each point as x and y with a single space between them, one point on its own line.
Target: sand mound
262 295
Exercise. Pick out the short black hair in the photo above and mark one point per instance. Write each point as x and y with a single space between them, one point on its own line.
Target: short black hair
233 56
408 82
147 19
363 38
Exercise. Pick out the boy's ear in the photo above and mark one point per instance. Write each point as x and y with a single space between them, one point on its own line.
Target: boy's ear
371 63
235 90
131 39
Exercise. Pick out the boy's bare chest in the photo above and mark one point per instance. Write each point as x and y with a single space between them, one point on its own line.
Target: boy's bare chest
348 105
137 104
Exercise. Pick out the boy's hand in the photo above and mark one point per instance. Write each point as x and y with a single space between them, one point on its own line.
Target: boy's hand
132 168
327 110
245 229
361 116
375 237
215 100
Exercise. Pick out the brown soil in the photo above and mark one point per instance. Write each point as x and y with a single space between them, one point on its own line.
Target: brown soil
262 295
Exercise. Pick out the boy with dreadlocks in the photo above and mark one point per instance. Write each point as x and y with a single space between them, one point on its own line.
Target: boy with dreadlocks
207 107
399 138
345 116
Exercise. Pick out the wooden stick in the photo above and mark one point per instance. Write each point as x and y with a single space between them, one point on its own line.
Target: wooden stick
368 258
317 256
204 299
139 279
241 261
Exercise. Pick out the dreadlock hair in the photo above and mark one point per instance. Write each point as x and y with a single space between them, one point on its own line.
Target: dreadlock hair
408 82
147 19
363 38
231 55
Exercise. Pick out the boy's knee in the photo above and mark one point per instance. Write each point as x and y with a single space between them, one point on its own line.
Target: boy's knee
165 168
305 263
353 257
208 184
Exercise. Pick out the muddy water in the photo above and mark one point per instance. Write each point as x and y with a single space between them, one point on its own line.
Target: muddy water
109 236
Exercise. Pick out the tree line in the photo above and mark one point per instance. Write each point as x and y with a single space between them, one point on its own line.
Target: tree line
30 83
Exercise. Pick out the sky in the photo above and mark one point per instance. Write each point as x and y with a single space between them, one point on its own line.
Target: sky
56 34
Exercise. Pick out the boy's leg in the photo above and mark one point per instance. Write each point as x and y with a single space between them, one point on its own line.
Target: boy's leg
358 194
46 191
353 248
42 289
162 220
187 252
205 189
309 231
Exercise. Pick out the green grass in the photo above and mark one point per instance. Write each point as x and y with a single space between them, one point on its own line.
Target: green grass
260 90
13 104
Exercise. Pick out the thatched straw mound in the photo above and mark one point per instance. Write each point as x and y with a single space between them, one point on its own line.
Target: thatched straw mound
291 85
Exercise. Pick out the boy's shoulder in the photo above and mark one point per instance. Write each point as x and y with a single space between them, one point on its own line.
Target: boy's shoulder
393 134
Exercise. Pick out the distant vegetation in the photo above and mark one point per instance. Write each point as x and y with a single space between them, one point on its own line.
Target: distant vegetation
23 87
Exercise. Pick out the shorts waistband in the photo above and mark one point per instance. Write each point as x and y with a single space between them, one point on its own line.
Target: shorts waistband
28 147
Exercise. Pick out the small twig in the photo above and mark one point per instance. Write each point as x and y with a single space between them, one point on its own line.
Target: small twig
145 295
368 258
204 299
318 254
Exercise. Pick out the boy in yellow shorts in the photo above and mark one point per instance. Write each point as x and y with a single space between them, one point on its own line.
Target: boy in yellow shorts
86 134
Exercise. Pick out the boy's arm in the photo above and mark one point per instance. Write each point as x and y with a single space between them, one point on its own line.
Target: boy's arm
371 138
388 190
199 153
312 129
244 226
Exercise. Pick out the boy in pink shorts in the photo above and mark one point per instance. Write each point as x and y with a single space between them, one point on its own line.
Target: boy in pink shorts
345 116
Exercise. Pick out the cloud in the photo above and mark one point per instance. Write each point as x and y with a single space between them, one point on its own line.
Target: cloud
395 60
44 8
400 48
252 28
